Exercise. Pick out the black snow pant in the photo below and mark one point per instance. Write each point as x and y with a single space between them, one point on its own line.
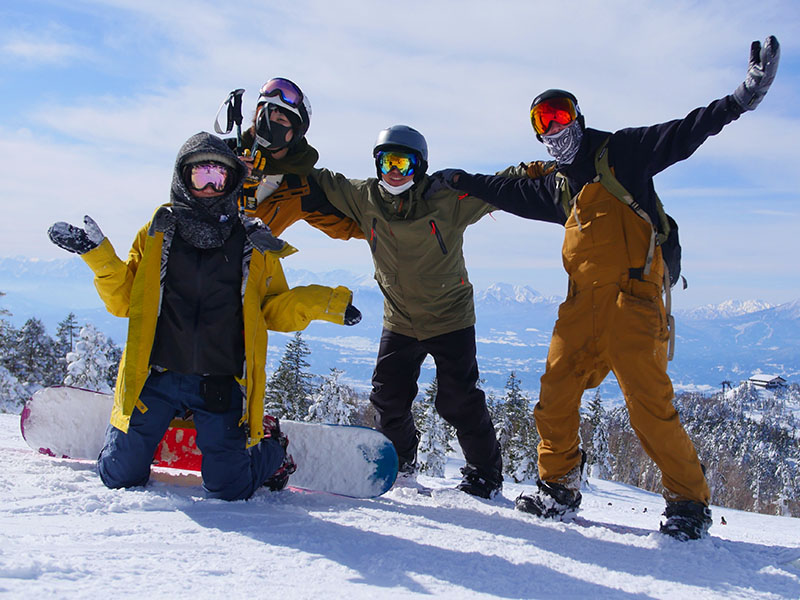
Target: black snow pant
459 401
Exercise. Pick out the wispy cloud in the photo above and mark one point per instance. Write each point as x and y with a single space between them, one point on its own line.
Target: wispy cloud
150 73
42 48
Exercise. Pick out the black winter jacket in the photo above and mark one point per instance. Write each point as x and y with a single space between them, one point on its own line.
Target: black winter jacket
636 154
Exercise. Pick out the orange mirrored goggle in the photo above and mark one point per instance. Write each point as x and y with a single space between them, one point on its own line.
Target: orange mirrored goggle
404 161
561 110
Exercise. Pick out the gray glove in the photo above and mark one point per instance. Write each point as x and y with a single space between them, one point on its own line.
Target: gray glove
74 239
760 73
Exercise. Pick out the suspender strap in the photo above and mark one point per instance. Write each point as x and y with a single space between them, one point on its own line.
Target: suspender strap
670 318
615 188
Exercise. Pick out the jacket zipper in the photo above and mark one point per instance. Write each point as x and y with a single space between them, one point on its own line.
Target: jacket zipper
435 231
275 214
373 235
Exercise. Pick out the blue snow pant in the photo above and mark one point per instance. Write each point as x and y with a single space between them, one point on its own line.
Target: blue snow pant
230 471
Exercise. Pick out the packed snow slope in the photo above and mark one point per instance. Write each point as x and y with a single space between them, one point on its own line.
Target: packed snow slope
64 535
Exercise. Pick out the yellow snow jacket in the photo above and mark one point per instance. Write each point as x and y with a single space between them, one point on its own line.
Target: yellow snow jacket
132 289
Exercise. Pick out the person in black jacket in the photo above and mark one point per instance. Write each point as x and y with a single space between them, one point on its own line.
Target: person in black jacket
613 318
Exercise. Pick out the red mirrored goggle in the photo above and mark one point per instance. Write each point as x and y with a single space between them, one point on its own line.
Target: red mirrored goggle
201 175
561 110
284 88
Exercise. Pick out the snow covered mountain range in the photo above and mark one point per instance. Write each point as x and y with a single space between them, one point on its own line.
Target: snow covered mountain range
730 341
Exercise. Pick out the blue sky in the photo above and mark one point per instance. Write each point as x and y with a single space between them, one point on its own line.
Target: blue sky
97 96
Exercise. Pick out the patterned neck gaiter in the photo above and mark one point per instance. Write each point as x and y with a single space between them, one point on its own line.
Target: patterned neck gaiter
564 145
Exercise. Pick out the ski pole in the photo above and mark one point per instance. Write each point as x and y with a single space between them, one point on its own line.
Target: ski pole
233 115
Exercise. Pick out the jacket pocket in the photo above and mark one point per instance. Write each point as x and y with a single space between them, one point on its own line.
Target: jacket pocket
435 231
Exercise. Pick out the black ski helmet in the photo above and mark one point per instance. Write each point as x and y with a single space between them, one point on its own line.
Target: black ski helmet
556 93
403 137
290 99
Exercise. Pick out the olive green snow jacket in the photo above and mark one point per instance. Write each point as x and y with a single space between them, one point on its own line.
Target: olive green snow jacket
416 246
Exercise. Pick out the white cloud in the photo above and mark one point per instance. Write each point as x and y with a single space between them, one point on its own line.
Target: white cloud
32 50
462 72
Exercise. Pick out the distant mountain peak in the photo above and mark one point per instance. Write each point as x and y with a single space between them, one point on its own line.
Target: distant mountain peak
726 309
507 293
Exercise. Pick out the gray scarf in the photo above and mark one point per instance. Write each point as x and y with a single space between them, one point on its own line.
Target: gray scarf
205 222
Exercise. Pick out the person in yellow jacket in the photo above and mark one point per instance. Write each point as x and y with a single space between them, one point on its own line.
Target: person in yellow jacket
200 288
278 190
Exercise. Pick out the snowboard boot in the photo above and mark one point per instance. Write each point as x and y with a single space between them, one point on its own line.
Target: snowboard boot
549 501
278 480
555 500
407 471
686 520
406 474
479 482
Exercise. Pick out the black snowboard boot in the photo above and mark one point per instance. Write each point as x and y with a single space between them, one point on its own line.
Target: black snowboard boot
555 500
278 480
479 482
549 501
686 520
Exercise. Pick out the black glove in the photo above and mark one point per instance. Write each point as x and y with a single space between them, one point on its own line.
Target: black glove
441 180
352 315
260 234
74 239
760 73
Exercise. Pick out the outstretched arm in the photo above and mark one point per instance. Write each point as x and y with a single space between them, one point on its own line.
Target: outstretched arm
524 197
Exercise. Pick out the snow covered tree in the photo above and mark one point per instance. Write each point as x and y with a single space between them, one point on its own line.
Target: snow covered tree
12 393
290 388
517 432
435 438
88 364
67 334
598 456
114 355
8 339
32 358
334 402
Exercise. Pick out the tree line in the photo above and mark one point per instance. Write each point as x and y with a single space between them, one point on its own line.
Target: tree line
747 440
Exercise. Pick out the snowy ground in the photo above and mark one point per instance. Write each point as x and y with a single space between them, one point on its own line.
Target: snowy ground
64 535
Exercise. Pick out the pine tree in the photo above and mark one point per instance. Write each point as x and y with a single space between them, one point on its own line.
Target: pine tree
114 355
67 334
598 455
8 339
290 388
12 393
435 438
88 364
334 402
519 433
32 358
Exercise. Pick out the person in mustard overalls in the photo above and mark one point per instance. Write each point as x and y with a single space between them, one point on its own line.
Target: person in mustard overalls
613 318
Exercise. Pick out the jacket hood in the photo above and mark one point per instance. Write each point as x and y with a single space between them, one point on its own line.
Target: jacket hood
200 147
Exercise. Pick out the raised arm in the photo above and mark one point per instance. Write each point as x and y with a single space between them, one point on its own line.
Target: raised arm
522 196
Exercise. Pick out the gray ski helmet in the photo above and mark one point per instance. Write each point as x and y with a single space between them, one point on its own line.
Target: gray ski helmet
403 137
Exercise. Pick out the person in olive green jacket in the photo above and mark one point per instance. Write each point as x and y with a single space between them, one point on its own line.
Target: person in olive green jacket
416 243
